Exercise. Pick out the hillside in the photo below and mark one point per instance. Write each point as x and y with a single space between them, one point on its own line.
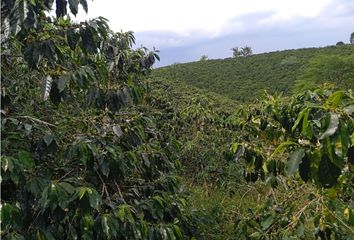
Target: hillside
95 147
233 156
245 78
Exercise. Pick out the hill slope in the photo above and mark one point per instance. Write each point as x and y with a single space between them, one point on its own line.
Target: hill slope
245 78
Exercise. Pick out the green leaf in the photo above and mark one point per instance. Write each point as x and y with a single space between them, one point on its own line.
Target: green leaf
32 55
282 147
299 118
74 5
44 201
255 235
54 94
81 192
104 224
48 139
332 127
67 187
300 230
88 43
48 51
61 8
87 221
163 233
350 218
295 158
37 185
170 233
344 138
129 215
84 5
117 131
306 126
328 172
350 156
7 163
62 82
157 56
5 214
177 231
349 109
335 99
267 222
94 199
72 37
26 159
304 168
49 3
120 212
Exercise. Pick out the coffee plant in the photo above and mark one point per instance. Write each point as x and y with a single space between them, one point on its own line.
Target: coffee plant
303 141
83 156
93 147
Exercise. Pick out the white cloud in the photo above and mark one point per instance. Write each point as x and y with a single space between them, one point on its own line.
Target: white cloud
184 30
186 16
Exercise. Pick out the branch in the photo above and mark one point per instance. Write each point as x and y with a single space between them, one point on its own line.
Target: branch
37 120
342 222
104 187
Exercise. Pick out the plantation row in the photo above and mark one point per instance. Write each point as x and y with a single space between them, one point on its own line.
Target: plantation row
245 78
246 164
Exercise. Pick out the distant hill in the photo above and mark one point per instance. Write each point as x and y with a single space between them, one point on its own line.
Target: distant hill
245 78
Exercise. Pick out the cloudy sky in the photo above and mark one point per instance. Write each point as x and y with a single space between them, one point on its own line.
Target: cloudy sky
184 30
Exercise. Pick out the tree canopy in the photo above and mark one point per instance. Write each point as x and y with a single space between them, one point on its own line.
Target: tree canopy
243 52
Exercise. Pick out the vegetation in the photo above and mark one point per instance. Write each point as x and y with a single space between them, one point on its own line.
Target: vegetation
243 52
335 69
274 149
203 58
245 79
95 147
83 157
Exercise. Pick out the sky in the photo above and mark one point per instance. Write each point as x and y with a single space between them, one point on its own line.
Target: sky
184 30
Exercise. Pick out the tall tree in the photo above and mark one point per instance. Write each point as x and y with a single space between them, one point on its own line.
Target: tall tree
203 58
243 52
246 51
351 40
236 52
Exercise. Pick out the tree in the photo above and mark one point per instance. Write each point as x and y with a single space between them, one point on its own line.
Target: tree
236 52
244 52
203 58
340 43
351 40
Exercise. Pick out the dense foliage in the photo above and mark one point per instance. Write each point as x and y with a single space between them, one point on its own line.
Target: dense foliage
281 147
91 147
243 52
336 69
83 156
308 139
245 78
